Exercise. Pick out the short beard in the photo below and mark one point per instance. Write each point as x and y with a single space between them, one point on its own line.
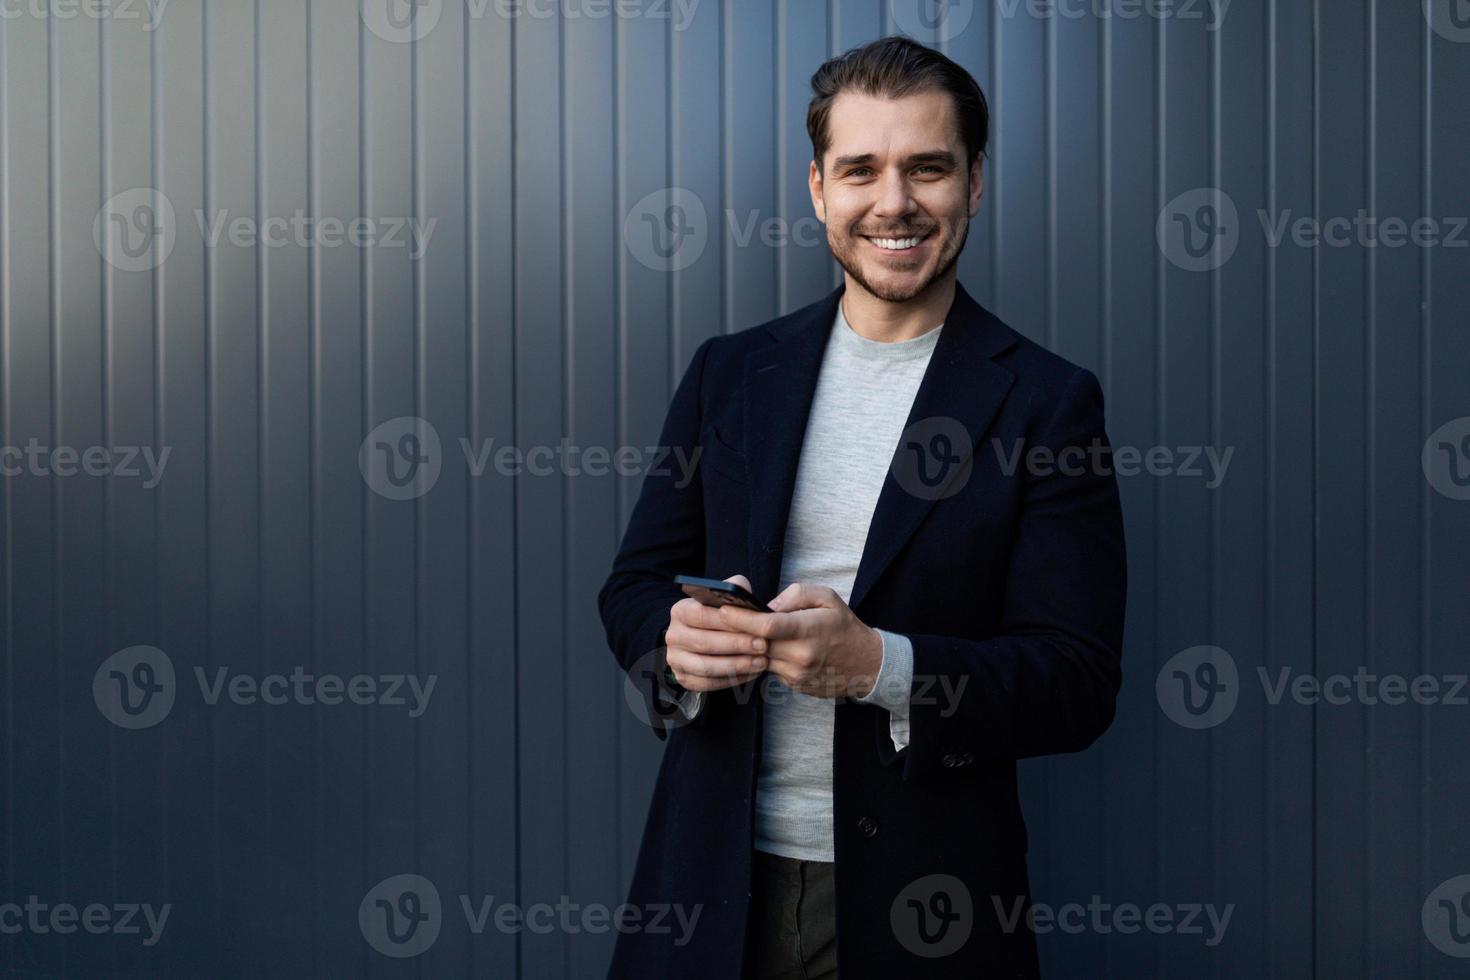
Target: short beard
897 296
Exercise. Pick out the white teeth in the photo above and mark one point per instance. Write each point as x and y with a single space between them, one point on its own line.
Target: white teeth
895 242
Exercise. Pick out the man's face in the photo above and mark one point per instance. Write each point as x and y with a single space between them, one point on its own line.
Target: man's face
895 172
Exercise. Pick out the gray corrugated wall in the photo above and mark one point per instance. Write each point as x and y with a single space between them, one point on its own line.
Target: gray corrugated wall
530 141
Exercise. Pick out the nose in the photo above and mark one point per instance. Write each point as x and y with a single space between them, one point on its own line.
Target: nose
893 196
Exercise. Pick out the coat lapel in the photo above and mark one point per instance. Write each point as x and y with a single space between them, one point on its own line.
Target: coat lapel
780 380
962 382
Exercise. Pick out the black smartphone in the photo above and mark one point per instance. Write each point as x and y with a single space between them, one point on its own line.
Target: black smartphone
713 592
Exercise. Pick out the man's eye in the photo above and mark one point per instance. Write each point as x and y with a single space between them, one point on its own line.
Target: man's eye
858 171
928 166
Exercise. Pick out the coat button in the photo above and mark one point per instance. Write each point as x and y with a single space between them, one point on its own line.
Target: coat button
868 826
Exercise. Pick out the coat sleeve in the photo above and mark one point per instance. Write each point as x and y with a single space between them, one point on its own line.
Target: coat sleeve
1047 682
664 538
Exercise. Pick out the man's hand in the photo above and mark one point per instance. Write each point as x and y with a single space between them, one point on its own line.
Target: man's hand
817 645
707 654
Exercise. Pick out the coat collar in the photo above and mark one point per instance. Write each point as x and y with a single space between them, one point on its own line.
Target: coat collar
962 382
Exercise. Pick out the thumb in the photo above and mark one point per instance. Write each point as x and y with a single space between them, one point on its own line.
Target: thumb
802 595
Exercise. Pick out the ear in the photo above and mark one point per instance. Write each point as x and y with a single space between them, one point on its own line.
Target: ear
977 184
814 185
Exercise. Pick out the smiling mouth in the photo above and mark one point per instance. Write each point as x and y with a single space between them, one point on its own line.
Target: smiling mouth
898 246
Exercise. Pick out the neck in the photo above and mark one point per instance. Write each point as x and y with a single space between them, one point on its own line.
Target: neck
878 319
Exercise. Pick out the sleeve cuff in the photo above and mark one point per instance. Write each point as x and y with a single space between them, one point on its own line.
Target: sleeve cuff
891 689
691 703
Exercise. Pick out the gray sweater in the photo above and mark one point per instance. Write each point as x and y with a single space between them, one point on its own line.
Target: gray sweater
861 404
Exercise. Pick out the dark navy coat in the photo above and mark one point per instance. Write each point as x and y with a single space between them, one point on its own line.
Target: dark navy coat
1007 576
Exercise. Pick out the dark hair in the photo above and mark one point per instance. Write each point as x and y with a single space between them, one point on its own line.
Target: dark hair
893 67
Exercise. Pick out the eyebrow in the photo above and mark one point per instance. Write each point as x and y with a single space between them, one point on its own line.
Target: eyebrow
928 156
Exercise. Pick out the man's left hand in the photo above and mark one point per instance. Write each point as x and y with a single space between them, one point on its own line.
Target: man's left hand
815 643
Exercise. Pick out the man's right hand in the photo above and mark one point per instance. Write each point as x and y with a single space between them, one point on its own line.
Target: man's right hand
704 653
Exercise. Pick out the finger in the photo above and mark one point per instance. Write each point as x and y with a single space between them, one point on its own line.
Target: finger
688 663
707 618
803 595
685 610
796 654
787 673
691 612
723 642
787 597
741 581
717 683
772 626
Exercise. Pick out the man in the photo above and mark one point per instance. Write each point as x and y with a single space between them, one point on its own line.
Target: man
928 497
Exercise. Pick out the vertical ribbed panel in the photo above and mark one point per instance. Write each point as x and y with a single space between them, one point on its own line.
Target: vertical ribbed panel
534 145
